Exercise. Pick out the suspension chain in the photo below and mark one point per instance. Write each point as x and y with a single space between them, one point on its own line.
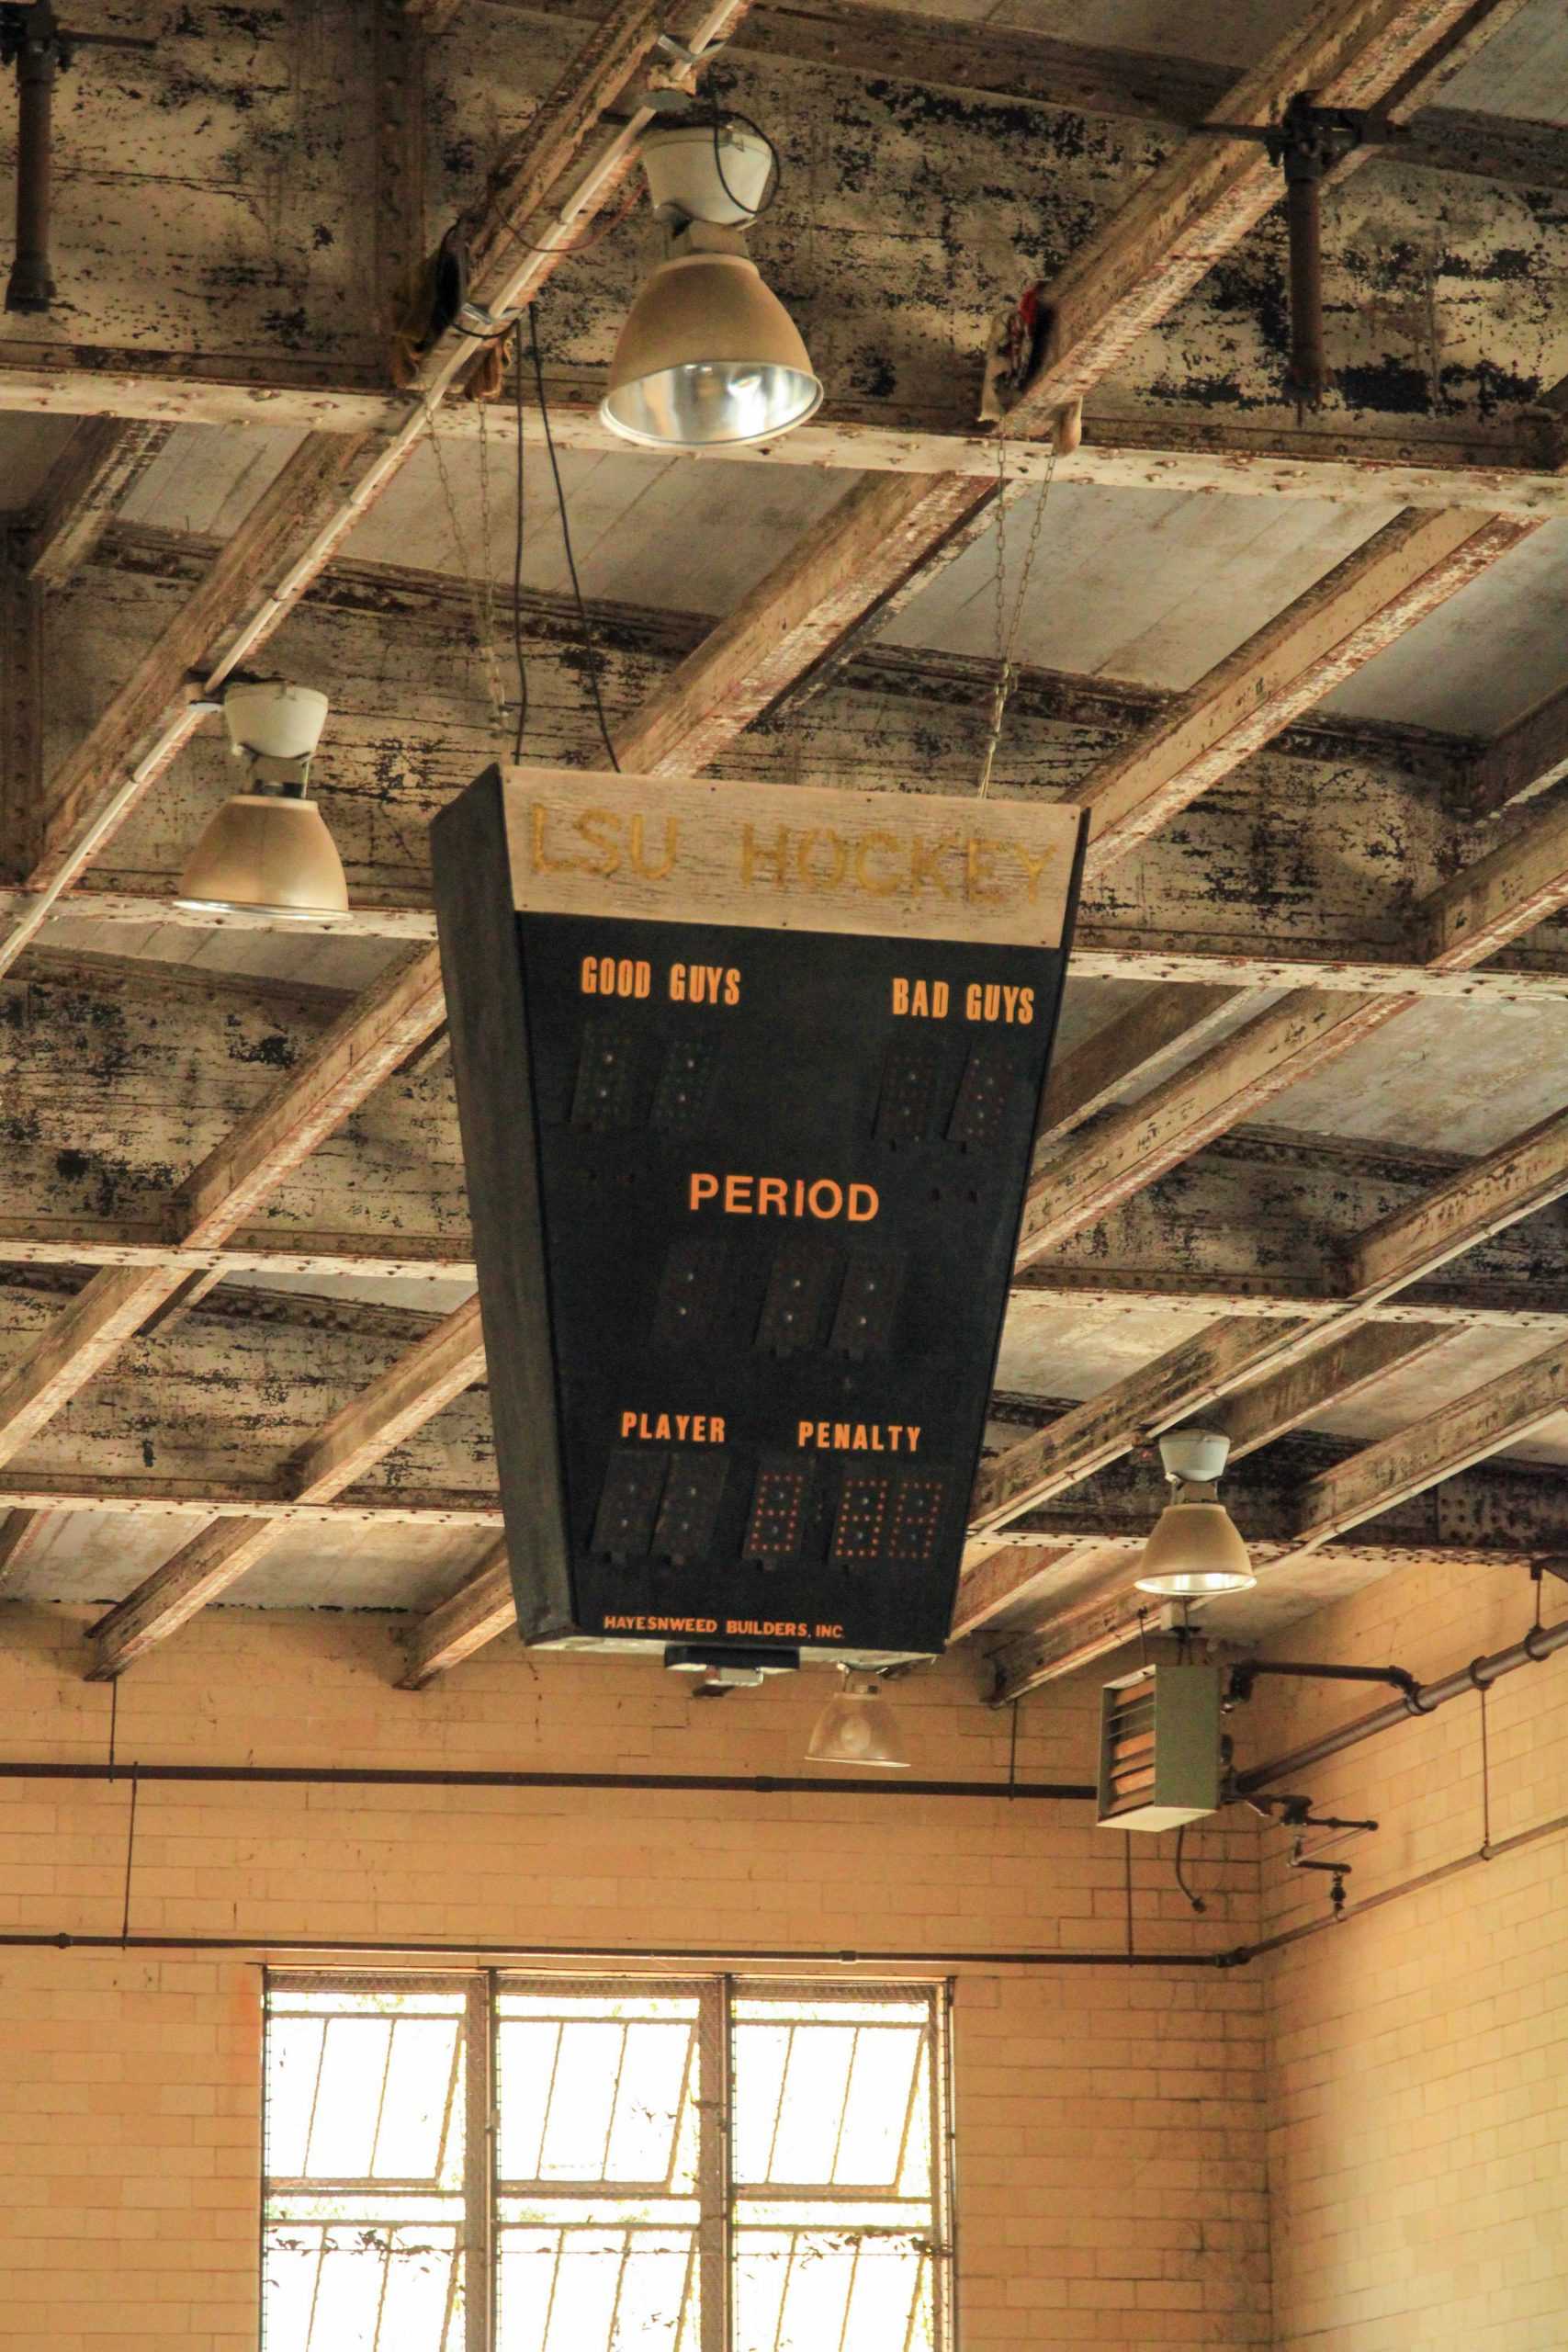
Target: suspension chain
1008 625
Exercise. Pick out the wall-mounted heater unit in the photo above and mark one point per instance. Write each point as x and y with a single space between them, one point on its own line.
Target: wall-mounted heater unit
1159 1747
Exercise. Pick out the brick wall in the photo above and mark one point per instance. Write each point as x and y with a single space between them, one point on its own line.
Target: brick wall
1110 2121
1420 2052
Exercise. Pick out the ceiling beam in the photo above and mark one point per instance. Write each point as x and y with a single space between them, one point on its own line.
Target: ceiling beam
810 607
1493 1192
1526 759
1372 597
235 1502
89 481
1515 1507
364 1045
325 488
1521 1300
1210 191
1332 1375
412 1391
989 59
1416 463
1138 1047
19 1532
1491 903
1227 1082
1484 908
481 1608
21 710
1484 1422
1101 950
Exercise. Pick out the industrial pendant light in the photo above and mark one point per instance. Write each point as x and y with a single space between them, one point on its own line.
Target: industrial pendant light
267 850
708 357
858 1727
1194 1551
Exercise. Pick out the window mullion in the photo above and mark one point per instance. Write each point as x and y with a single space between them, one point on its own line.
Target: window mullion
479 2167
715 2249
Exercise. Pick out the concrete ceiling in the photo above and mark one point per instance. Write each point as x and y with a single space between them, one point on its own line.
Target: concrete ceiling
1148 586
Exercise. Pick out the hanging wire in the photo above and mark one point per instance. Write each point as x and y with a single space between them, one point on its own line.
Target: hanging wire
1196 1900
459 538
591 651
1485 1783
517 545
1012 1752
487 549
1127 1841
1007 628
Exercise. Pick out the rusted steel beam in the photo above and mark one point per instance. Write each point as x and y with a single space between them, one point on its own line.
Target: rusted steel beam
324 490
1213 190
481 1608
1513 470
1373 597
21 708
19 1532
97 472
1526 759
1026 68
434 1371
1493 1192
227 1189
1455 1438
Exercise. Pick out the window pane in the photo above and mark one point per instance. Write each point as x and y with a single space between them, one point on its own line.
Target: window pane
827 2290
648 2104
293 2062
577 2129
876 2110
598 2100
363 2239
597 2289
348 2098
811 2104
414 2100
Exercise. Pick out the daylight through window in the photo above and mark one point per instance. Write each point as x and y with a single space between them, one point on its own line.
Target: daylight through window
503 2164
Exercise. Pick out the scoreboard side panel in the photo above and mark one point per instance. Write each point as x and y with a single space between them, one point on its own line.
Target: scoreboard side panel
491 1064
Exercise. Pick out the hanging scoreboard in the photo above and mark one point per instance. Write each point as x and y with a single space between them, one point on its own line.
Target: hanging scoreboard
748 1080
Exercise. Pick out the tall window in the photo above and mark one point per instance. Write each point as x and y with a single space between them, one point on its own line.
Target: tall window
510 2164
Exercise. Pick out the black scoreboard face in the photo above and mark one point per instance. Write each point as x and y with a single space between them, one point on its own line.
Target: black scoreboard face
771 1181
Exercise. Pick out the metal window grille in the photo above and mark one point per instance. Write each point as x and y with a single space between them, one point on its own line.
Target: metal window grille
503 2163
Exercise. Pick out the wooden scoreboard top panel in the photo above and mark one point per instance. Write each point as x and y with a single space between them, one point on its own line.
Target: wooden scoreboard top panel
789 857
748 1080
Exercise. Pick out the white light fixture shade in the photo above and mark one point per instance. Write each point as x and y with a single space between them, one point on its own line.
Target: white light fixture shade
708 358
1194 1553
271 719
858 1727
265 853
697 171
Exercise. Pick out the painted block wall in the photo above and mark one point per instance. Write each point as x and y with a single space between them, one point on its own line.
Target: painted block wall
1110 2139
1419 2053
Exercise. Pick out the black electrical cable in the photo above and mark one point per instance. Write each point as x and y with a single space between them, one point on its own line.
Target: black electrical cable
591 653
723 117
1196 1900
517 548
